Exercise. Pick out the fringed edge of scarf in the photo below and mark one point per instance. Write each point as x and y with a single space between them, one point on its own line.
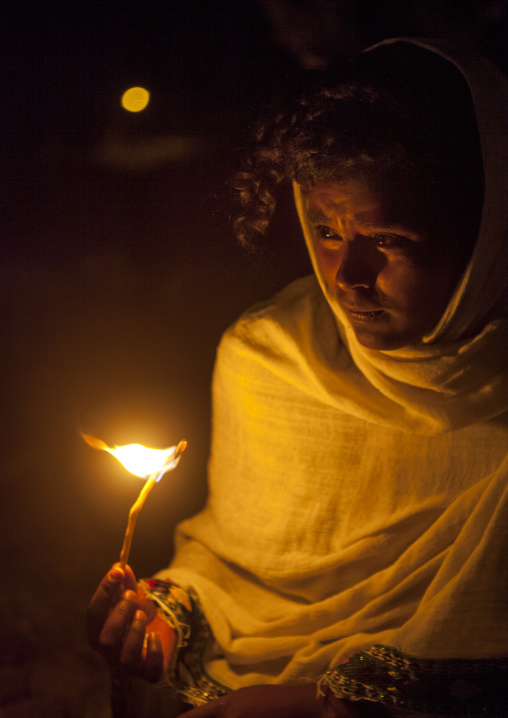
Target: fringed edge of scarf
181 610
457 688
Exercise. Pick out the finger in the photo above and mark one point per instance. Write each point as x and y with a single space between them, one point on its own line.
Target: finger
167 636
213 709
130 581
147 605
102 602
131 654
154 660
117 623
345 709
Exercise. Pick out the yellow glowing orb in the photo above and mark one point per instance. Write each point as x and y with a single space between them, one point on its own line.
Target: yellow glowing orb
135 99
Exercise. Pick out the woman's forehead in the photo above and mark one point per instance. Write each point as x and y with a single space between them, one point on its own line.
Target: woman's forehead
351 199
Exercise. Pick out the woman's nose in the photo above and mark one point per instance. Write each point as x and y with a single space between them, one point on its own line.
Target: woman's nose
353 268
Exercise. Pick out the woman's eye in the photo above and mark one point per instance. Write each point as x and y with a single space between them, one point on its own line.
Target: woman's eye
389 241
325 232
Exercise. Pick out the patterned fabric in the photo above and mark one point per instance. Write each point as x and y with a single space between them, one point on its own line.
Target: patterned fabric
453 688
182 611
458 688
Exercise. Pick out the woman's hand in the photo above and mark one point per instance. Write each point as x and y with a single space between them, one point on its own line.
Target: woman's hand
119 617
274 702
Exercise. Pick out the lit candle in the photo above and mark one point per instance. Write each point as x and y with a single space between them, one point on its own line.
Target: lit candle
149 464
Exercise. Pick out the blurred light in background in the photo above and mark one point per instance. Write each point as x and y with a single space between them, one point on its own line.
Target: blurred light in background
135 99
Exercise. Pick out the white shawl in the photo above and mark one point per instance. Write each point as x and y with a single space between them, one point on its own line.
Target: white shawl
360 497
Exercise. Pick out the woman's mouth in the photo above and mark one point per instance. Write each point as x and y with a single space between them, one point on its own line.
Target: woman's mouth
358 315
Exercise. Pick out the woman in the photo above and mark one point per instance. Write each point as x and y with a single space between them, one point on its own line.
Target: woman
350 559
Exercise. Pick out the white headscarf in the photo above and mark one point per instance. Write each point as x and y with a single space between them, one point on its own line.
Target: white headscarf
458 374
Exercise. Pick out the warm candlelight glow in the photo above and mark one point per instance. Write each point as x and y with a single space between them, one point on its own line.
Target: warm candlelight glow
150 464
141 460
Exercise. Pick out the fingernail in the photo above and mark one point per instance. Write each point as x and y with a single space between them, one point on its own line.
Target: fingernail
130 595
115 574
154 641
140 615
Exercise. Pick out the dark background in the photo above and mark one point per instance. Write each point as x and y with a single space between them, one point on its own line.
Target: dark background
119 273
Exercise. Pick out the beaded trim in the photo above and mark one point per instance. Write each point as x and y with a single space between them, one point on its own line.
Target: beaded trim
454 688
181 609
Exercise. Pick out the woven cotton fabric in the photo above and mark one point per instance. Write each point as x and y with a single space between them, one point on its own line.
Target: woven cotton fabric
359 498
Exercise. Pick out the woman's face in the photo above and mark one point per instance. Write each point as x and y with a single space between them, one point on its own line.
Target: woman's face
392 281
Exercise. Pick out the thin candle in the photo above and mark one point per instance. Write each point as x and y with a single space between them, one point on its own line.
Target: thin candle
150 464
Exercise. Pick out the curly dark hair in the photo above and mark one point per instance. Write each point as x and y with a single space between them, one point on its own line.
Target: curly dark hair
403 122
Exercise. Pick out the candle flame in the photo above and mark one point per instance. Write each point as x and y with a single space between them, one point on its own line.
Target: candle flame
141 460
